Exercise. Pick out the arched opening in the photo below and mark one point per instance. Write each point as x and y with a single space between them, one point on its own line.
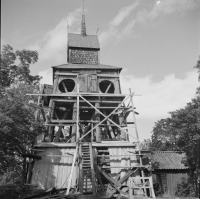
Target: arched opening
106 86
66 85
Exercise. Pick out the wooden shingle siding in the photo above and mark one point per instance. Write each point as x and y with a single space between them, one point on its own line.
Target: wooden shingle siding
83 57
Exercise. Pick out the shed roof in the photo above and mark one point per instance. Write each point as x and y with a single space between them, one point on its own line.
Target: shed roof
168 160
79 41
87 66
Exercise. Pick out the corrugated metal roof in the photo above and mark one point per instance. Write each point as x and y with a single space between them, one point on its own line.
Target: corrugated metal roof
79 41
168 160
86 66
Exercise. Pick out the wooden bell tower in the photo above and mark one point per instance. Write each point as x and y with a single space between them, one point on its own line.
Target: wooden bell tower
85 145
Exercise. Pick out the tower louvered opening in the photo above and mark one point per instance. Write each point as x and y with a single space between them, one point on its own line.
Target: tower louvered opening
66 85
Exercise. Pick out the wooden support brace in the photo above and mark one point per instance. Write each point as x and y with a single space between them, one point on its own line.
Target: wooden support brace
60 127
66 91
108 177
127 175
109 127
106 117
108 87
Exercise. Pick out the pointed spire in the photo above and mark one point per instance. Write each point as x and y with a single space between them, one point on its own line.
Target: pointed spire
83 26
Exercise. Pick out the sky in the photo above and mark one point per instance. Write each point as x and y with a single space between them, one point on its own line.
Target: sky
156 42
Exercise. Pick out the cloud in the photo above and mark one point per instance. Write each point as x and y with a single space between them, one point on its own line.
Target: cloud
158 8
47 76
54 43
123 13
113 30
158 98
166 7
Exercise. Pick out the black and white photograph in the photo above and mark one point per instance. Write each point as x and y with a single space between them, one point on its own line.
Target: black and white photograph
100 99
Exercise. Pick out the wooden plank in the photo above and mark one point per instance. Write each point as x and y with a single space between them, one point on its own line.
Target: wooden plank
66 91
108 177
107 89
92 170
65 74
71 94
55 84
107 75
127 175
135 166
99 179
103 101
97 132
74 115
70 121
88 107
77 117
80 185
116 155
109 127
72 170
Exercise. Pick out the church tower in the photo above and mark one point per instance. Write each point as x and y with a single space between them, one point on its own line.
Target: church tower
85 145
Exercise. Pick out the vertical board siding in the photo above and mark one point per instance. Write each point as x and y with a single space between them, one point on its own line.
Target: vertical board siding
53 171
172 180
122 160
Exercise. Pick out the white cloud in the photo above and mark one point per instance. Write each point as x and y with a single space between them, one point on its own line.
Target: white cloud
159 98
113 31
159 8
123 13
54 44
166 7
47 76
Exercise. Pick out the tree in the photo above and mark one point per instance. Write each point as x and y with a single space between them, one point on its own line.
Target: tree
17 116
11 73
181 132
164 137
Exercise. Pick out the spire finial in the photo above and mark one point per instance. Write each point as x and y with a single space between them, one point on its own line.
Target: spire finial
83 27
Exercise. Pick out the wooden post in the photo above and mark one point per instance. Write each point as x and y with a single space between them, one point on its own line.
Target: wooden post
92 169
109 127
97 129
77 117
55 83
72 170
136 130
121 122
49 116
73 135
92 133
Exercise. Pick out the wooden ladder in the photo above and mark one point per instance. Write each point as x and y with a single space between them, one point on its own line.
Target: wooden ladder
87 175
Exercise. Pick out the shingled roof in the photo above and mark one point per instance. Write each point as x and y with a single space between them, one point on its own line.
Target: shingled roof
78 41
87 66
168 160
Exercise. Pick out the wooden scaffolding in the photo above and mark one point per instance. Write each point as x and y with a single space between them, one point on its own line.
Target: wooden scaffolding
85 144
